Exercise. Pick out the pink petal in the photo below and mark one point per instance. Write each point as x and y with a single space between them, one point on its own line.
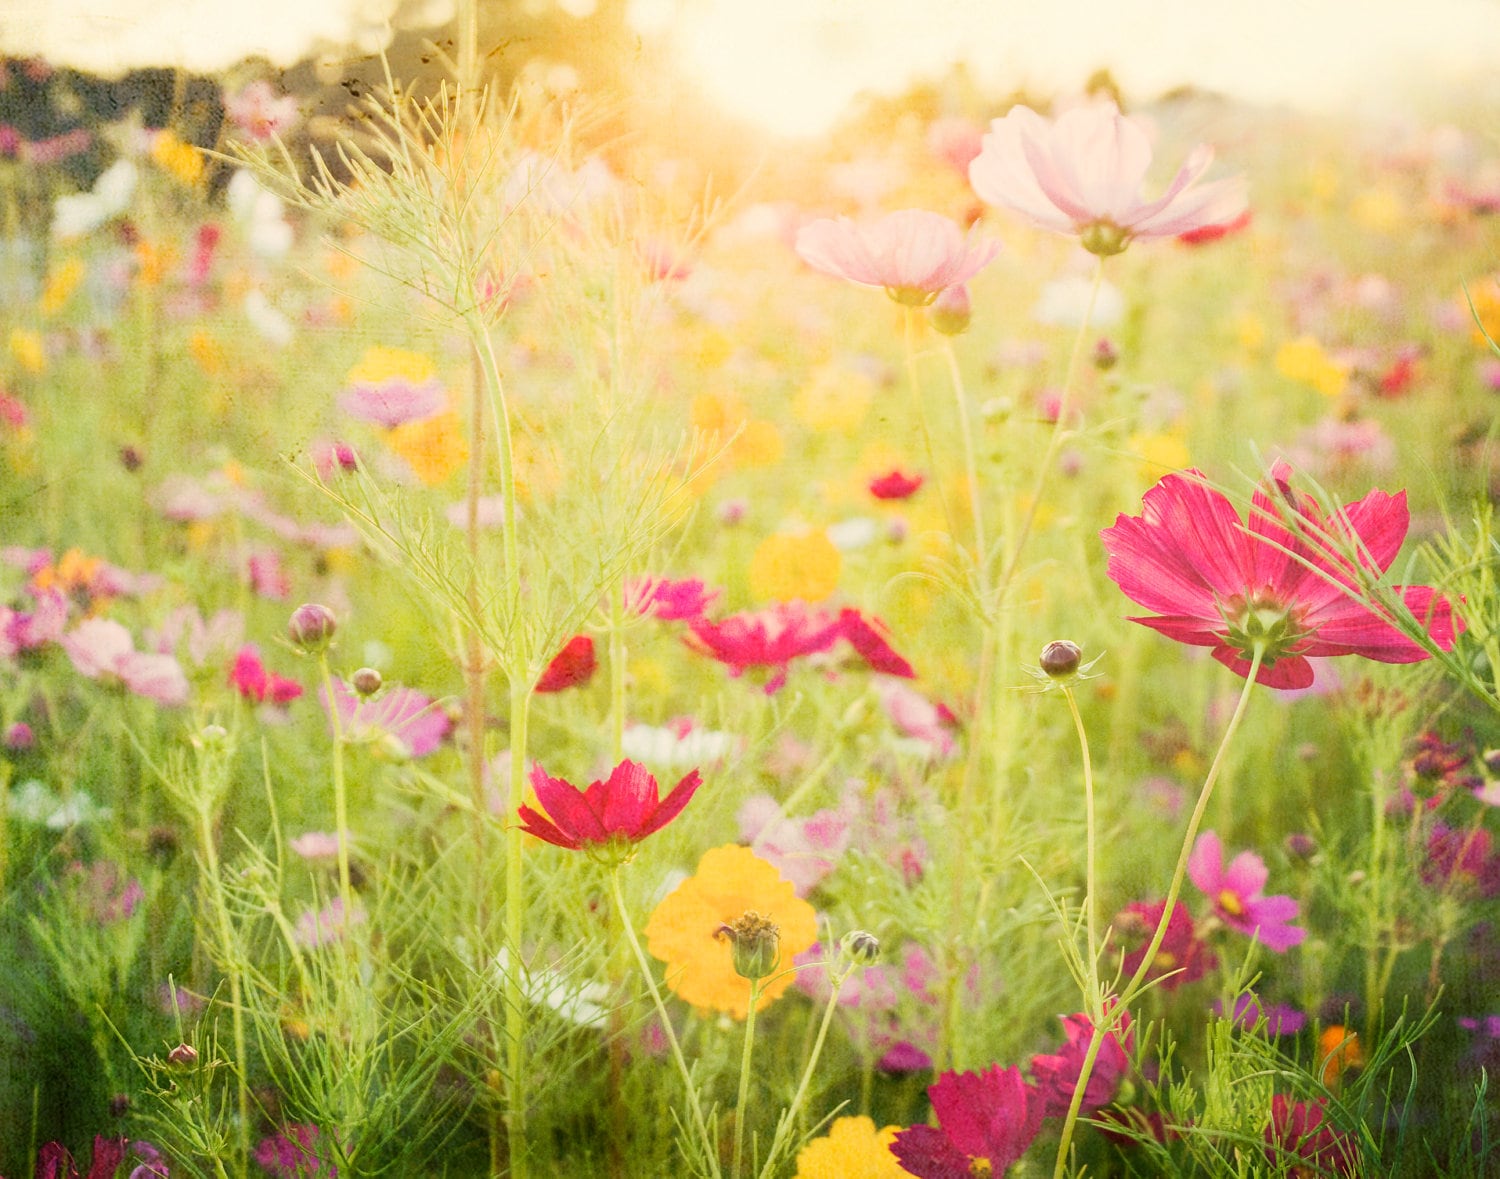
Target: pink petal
630 796
565 803
1246 876
1206 864
673 804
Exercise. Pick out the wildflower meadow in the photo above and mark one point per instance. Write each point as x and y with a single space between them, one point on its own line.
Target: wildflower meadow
967 648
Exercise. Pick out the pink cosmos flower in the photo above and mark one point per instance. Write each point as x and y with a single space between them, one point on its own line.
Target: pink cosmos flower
612 814
411 718
1056 1075
986 1122
1216 582
920 719
913 254
1298 1132
1462 860
315 846
251 678
803 850
28 630
327 925
394 402
1280 1019
1082 173
1237 893
670 600
54 1161
769 638
867 637
102 649
259 113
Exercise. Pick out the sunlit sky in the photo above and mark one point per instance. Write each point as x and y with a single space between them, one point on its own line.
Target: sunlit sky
793 65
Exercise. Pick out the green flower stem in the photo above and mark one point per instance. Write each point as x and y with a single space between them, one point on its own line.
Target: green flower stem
706 1142
617 657
340 795
615 967
971 466
1094 999
1059 427
236 992
742 1102
909 338
1137 982
789 1119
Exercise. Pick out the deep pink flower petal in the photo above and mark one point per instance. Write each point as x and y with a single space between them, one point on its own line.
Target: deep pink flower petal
926 1152
673 804
1270 919
566 804
534 824
630 795
1290 671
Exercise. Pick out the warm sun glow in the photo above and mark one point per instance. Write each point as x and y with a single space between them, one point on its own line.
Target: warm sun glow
793 65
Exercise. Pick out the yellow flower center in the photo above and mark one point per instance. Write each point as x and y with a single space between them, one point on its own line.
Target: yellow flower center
980 1169
1229 901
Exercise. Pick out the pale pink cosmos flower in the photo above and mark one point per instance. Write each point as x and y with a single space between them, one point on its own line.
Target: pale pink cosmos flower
803 850
1238 895
408 722
1082 174
914 254
102 649
259 113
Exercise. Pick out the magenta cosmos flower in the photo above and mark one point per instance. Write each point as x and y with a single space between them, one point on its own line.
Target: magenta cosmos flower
1238 895
1215 582
612 814
915 255
1056 1075
1299 1133
1082 173
986 1121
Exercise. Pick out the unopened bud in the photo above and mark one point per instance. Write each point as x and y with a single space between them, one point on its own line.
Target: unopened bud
1300 846
756 944
952 311
860 947
1060 658
19 737
183 1054
366 681
311 628
213 735
1105 354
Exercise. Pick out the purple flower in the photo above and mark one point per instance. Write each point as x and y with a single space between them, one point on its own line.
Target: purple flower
1281 1019
1238 896
405 714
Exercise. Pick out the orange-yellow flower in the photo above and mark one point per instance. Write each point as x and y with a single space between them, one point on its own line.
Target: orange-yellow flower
1304 360
786 567
852 1146
730 882
182 161
434 447
61 284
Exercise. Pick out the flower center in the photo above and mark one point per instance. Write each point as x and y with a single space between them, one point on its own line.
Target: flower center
980 1169
1230 902
1262 620
911 296
1104 238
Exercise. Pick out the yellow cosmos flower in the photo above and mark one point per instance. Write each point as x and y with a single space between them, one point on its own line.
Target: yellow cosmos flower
786 567
730 882
182 161
759 444
61 284
1304 360
434 448
1485 297
26 347
206 353
153 260
378 365
851 1147
1160 454
834 399
1379 209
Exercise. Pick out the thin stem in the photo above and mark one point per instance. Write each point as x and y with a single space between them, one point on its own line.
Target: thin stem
1136 984
236 995
971 466
789 1119
1065 405
909 337
340 794
742 1102
706 1143
617 656
1091 881
515 908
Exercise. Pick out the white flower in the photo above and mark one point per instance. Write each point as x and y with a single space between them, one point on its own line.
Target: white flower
84 212
274 327
262 215
580 1003
672 747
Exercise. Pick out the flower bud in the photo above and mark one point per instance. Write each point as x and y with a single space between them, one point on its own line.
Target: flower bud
366 681
1060 658
311 628
860 947
1300 846
19 737
1105 354
952 311
183 1054
213 735
756 944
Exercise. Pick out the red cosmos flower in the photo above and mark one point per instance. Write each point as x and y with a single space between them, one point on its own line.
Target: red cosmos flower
1212 233
1299 1131
54 1161
573 665
1216 582
1056 1075
251 678
621 810
1181 957
895 486
986 1122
